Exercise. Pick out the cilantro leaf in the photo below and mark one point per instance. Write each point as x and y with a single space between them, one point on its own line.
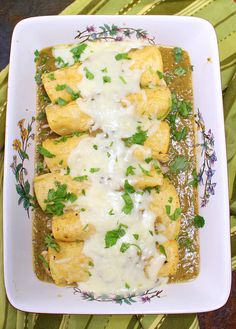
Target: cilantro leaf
125 246
121 56
178 53
178 135
144 171
128 188
80 178
160 74
123 79
45 152
136 236
61 102
36 55
129 205
162 250
93 170
50 242
60 62
106 79
138 138
195 181
113 236
77 51
130 171
176 214
178 164
180 71
198 221
89 75
43 260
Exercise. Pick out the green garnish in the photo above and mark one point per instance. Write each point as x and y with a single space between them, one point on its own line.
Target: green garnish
89 75
184 109
45 152
43 260
36 55
51 76
162 250
160 74
83 191
138 138
60 87
104 70
67 170
178 135
170 199
128 188
168 209
178 53
127 285
180 71
125 246
151 233
106 79
195 181
50 242
93 170
144 171
61 102
113 236
82 209
127 208
91 263
130 171
56 199
80 178
74 95
178 164
40 167
108 154
77 51
121 56
176 214
60 62
123 79
148 160
95 147
136 236
61 162
38 77
61 139
41 116
85 228
157 166
198 221
111 212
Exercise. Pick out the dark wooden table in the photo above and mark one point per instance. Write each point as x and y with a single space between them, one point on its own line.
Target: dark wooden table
11 12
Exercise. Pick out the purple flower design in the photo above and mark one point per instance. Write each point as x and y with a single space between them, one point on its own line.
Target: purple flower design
90 28
206 171
118 38
145 299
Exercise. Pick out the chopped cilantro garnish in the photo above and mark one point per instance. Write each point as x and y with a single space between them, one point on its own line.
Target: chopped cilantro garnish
198 221
178 135
127 285
151 233
130 171
56 199
160 74
108 154
93 170
144 171
43 260
61 139
195 180
106 79
60 87
123 79
127 208
168 209
113 236
178 164
95 147
125 246
178 53
41 116
138 138
67 170
104 70
89 75
36 55
45 152
61 102
83 192
170 199
128 188
136 236
180 71
176 214
80 178
121 56
111 212
162 250
40 167
148 160
50 242
60 62
51 76
38 77
185 108
77 51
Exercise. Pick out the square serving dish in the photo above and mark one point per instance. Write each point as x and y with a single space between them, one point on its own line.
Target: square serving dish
211 288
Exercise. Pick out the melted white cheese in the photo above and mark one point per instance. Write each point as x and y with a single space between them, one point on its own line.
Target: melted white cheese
104 159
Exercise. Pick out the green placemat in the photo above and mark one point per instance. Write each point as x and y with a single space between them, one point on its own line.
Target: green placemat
221 13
